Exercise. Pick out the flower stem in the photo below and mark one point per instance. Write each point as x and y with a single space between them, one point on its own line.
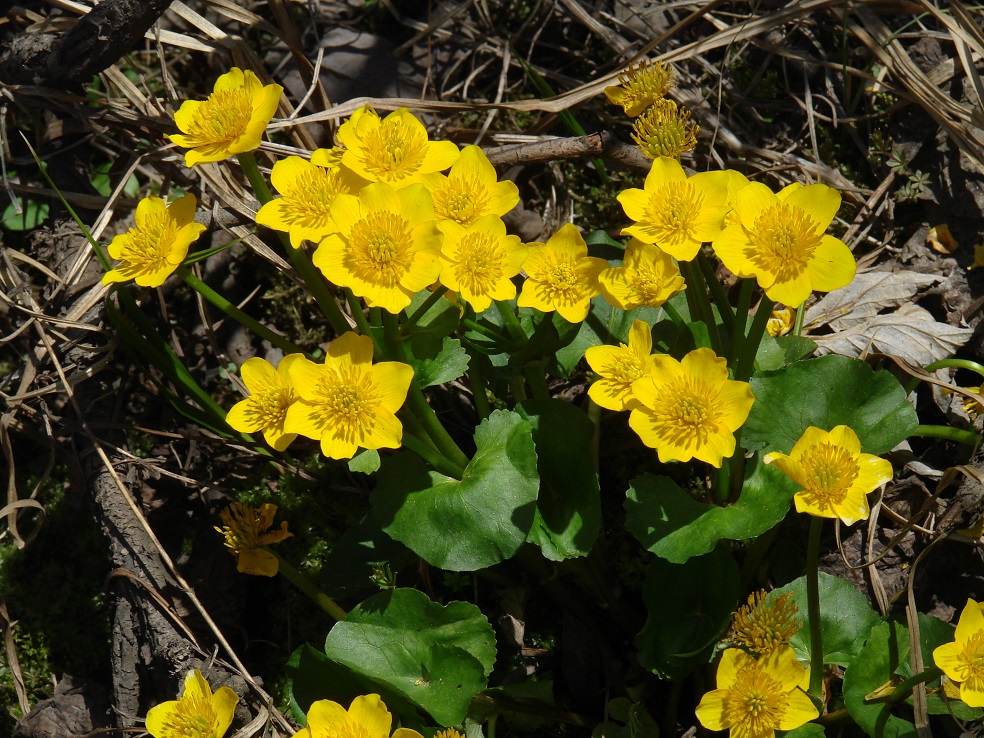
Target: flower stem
717 291
421 311
484 330
236 314
741 319
946 364
697 291
313 279
947 433
511 322
435 459
674 315
813 610
477 381
904 689
534 371
798 323
306 586
355 305
749 347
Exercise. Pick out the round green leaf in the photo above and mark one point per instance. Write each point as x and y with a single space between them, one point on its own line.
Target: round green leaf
846 619
568 507
449 364
673 525
826 392
689 606
471 524
872 668
438 657
33 213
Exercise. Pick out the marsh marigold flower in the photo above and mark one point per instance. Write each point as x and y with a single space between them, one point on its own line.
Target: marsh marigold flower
231 121
307 193
270 394
561 276
471 190
665 129
963 660
780 321
689 409
196 714
836 477
619 366
348 402
756 697
676 212
641 86
246 529
394 149
387 246
766 622
157 244
367 717
780 241
480 260
648 277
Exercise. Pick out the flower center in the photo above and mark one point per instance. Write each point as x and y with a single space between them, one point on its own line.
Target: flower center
223 116
479 262
268 408
626 368
310 201
463 199
766 623
150 245
972 661
347 398
346 729
673 211
194 718
685 413
830 471
755 704
394 151
648 284
382 247
784 239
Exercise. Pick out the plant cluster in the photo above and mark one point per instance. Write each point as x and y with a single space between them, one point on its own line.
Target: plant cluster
408 231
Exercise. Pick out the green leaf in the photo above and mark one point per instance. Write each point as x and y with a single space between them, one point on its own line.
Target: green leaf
33 213
449 364
796 348
471 524
826 392
846 619
439 322
769 356
568 508
670 523
365 461
873 666
689 606
360 552
807 730
438 657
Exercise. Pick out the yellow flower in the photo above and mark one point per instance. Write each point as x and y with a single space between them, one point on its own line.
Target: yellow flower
647 278
394 150
157 244
246 529
766 623
470 190
561 276
941 238
675 212
665 129
641 86
690 409
367 717
836 477
387 246
780 241
781 321
963 660
480 260
348 403
232 120
448 733
978 257
308 191
755 698
620 366
270 394
196 714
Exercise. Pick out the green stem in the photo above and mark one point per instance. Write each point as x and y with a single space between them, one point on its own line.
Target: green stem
717 291
946 364
741 319
904 689
511 322
313 279
813 610
484 330
435 459
746 357
536 379
306 586
675 316
355 305
695 283
235 313
947 433
594 414
421 311
477 381
418 403
798 323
